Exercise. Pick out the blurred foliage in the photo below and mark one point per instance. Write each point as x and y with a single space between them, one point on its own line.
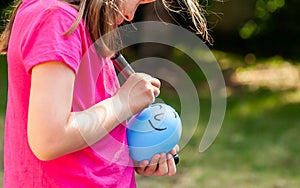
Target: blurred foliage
3 83
4 4
262 13
263 27
4 13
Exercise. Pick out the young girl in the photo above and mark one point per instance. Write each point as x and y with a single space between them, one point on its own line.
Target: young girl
59 105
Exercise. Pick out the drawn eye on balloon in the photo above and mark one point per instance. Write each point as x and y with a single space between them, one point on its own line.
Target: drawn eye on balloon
160 116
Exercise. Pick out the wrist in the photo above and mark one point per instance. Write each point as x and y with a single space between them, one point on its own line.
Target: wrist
120 109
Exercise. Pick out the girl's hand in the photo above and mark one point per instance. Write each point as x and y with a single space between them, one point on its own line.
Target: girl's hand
137 93
160 164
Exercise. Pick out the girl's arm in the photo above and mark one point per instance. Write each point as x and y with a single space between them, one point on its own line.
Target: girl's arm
53 130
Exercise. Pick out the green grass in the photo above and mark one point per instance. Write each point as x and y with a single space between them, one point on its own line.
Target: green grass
3 95
257 146
3 83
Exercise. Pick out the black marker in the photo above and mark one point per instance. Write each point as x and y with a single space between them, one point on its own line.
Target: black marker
122 65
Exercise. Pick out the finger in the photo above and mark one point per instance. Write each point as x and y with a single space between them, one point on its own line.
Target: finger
174 150
141 166
151 168
156 92
162 169
171 165
144 76
155 82
156 86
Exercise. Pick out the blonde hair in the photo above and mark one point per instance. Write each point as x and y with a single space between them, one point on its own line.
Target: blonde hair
100 17
196 13
4 37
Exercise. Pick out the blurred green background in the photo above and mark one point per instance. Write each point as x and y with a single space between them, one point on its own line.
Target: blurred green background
257 46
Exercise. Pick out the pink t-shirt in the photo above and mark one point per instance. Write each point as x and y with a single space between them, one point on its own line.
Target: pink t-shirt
37 37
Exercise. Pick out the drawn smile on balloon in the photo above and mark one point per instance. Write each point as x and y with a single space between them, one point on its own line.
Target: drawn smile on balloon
159 117
158 129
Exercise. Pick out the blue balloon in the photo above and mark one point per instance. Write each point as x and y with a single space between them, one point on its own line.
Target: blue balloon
154 130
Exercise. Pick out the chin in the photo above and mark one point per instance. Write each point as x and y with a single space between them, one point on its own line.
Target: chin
119 21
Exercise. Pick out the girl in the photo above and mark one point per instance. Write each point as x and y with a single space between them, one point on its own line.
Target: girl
61 101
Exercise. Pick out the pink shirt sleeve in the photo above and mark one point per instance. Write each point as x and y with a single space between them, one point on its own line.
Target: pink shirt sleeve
47 41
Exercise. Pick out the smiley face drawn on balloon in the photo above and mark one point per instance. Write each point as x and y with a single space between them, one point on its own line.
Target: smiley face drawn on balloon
161 114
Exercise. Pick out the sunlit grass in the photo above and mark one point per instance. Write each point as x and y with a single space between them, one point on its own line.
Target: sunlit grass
255 149
1 178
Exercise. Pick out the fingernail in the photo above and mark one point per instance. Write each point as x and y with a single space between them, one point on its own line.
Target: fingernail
145 163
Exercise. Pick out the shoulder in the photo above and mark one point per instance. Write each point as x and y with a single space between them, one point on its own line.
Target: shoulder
45 16
43 9
39 33
62 9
